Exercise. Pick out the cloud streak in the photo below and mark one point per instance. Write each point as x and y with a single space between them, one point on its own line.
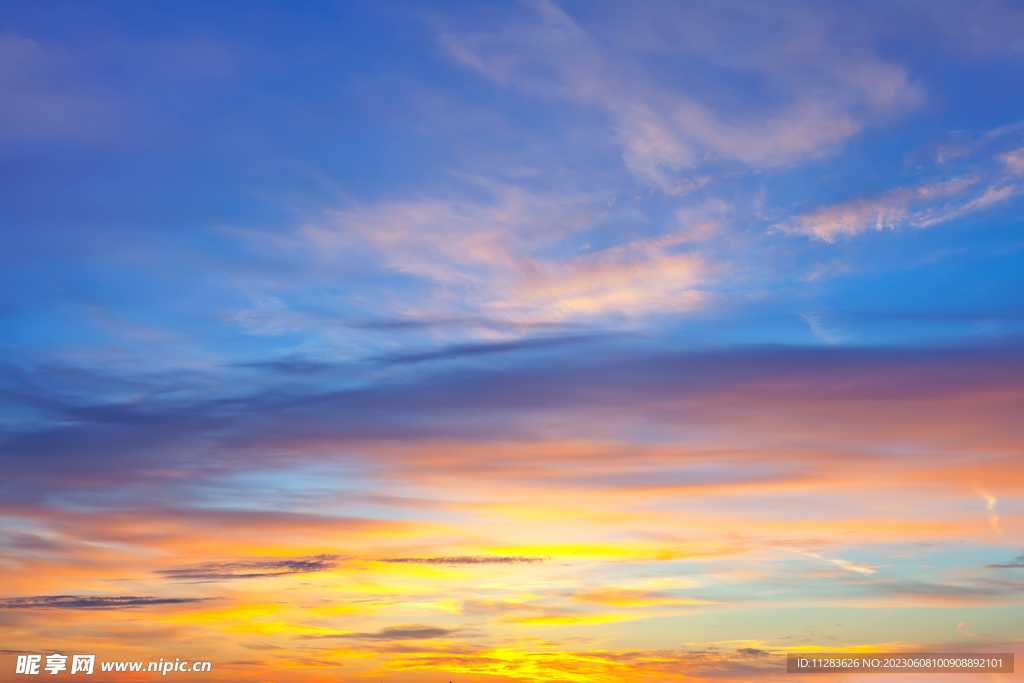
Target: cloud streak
468 560
1016 563
500 257
398 633
91 602
252 569
921 206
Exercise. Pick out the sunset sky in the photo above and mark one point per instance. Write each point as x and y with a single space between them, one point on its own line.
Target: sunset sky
511 342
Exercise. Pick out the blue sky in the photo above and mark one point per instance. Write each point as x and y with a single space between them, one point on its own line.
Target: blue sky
215 158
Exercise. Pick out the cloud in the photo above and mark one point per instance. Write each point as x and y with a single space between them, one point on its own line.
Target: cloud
664 131
506 259
520 459
90 602
39 102
629 597
995 31
1014 161
820 330
990 505
859 568
992 196
856 567
1015 563
83 440
923 592
897 208
291 366
392 633
63 89
454 241
480 349
592 664
468 560
919 206
253 569
495 398
639 277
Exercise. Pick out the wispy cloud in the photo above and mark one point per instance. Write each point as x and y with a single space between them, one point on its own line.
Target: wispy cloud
1014 161
920 206
627 597
821 330
397 633
635 278
483 349
662 132
251 569
856 567
38 103
468 560
990 505
91 602
904 206
1015 563
503 343
505 259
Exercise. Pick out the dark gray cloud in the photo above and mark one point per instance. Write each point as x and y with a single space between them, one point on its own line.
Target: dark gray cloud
252 569
469 559
988 592
457 351
1015 563
300 366
90 602
409 632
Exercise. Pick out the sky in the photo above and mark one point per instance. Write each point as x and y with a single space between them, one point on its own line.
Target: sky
505 342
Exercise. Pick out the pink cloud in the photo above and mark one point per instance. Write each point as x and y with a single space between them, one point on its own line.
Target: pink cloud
664 132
